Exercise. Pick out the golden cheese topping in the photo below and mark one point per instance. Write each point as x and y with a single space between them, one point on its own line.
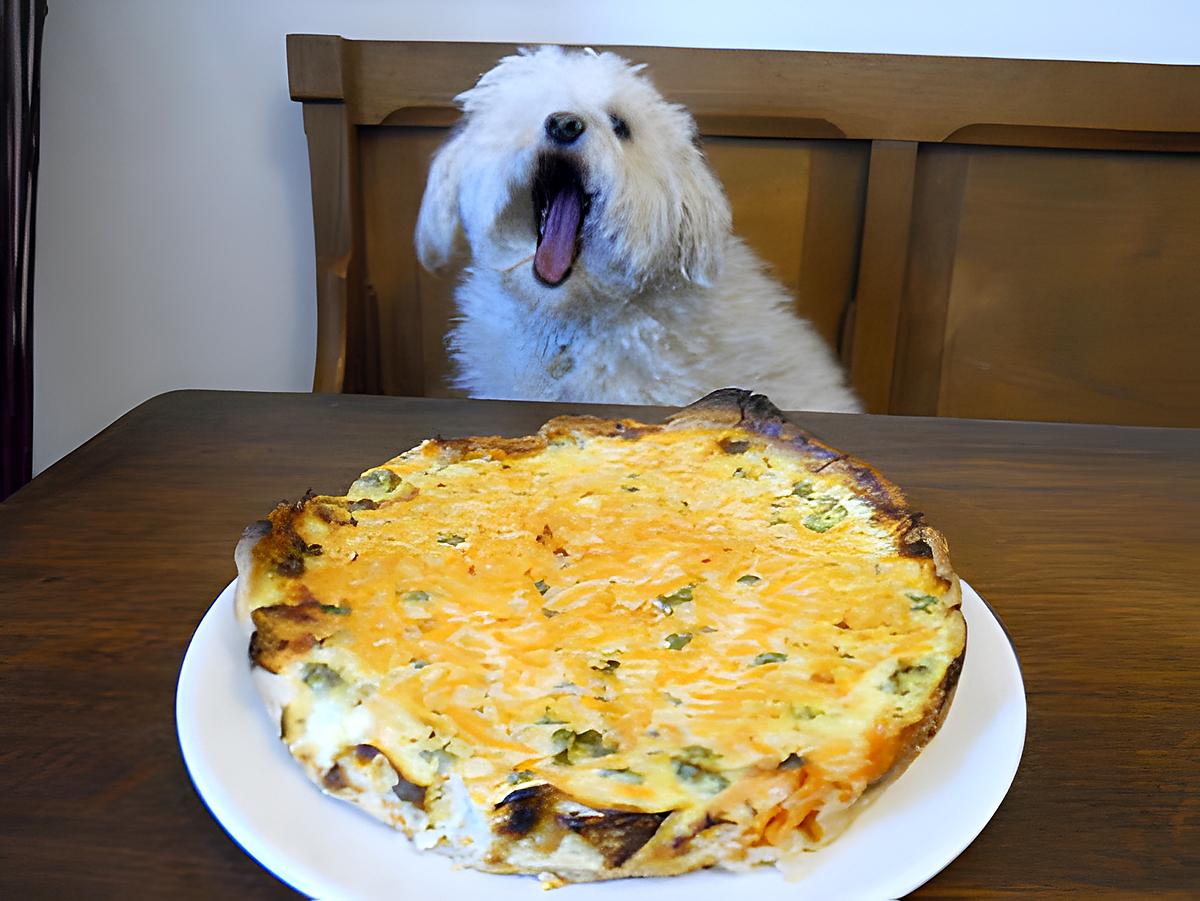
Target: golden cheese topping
651 619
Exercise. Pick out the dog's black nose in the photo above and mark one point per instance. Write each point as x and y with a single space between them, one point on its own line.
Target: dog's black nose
564 128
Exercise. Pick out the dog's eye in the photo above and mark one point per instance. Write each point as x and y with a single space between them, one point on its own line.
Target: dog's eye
619 126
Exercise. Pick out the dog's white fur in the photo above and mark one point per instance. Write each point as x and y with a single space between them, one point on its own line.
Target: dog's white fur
663 303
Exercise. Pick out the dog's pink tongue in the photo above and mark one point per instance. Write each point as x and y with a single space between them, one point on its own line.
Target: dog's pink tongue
556 251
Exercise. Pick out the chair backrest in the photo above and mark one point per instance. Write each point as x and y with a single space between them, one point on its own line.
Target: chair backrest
977 237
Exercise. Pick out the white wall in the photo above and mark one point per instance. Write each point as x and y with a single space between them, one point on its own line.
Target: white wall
174 244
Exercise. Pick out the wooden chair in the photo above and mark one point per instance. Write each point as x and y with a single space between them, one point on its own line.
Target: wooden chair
1009 239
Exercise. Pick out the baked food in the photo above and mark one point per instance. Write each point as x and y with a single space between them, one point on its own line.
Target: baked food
610 649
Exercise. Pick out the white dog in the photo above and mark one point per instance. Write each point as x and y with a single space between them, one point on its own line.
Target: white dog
602 267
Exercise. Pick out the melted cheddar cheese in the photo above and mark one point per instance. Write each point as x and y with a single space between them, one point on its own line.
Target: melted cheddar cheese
689 620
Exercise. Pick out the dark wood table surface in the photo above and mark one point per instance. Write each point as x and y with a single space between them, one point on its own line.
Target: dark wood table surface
1082 538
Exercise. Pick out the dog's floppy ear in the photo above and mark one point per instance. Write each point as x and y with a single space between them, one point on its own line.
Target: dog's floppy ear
704 221
438 221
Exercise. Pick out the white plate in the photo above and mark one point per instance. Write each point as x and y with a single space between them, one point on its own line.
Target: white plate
328 849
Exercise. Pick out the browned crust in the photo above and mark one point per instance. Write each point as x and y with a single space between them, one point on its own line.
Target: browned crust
728 408
754 413
913 739
281 549
285 632
495 447
537 811
736 408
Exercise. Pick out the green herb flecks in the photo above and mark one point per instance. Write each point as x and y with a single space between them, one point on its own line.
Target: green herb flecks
335 609
573 747
825 520
623 775
377 481
541 586
802 489
418 664
922 602
697 754
668 602
749 579
707 782
609 667
694 765
452 540
677 640
804 712
769 657
905 678
519 776
549 613
320 677
415 597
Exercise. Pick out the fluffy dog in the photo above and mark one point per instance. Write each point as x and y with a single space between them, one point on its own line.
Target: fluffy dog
603 268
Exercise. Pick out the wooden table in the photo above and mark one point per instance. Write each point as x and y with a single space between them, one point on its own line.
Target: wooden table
1083 539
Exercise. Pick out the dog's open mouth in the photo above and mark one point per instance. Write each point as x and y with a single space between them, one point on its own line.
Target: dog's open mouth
560 205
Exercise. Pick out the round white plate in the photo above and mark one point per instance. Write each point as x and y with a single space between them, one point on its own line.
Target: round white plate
328 849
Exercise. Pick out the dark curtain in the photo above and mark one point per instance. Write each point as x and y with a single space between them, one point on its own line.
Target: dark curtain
22 28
